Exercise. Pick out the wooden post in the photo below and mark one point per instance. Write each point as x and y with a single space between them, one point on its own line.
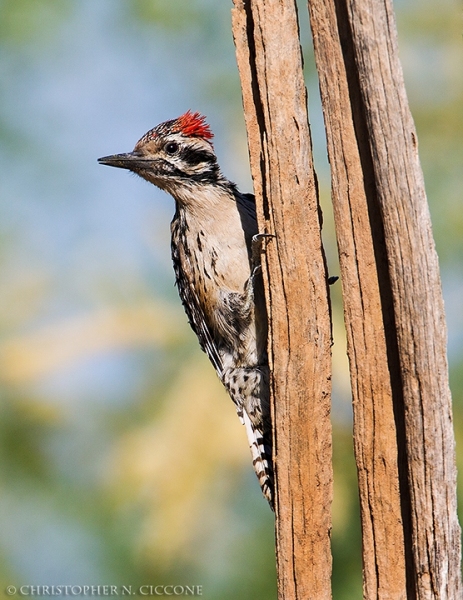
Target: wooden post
374 422
393 307
275 104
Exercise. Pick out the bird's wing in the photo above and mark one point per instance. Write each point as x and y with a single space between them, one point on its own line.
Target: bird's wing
191 302
197 320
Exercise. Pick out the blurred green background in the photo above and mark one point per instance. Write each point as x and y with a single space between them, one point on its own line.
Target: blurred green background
123 461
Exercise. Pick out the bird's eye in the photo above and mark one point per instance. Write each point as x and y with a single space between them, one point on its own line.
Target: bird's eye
171 147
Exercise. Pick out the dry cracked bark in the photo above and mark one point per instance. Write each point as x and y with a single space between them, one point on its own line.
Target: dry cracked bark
269 55
394 315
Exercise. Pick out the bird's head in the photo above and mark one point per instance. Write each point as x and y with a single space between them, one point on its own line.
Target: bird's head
173 155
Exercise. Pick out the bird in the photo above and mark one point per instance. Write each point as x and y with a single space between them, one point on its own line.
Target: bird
216 248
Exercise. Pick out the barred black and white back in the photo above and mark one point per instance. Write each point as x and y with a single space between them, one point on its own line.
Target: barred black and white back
228 335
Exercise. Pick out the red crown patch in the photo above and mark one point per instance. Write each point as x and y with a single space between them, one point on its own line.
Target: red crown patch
194 125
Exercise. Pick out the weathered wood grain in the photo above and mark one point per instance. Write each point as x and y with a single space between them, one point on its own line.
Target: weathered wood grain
275 103
361 262
403 422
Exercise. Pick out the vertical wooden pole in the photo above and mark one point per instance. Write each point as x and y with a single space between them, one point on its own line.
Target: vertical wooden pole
275 103
393 307
375 432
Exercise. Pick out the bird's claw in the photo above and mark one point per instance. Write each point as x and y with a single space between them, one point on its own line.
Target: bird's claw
258 238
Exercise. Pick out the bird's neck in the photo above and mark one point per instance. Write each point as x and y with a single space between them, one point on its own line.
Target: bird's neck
204 202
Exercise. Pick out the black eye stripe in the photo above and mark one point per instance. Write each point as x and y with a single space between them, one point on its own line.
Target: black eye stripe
193 156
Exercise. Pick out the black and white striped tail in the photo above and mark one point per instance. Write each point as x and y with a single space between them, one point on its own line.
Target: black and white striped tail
261 458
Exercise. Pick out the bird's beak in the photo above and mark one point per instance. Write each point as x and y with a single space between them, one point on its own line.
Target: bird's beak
129 160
